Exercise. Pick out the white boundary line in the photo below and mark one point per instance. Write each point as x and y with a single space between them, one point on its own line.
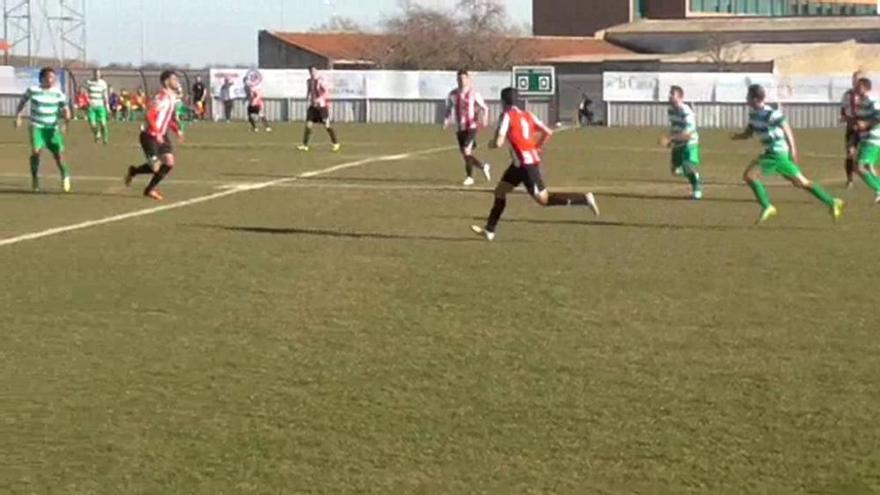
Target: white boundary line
210 197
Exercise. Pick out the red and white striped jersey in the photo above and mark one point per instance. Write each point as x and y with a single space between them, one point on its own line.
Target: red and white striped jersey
850 104
520 127
318 93
466 107
161 113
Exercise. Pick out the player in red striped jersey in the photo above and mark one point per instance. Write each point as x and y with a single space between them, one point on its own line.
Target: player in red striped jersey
848 115
527 136
161 117
318 95
255 107
469 112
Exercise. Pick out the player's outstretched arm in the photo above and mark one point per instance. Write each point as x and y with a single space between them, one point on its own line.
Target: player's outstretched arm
20 108
500 132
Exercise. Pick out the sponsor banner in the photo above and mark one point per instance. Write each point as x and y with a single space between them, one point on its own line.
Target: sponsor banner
722 87
630 86
354 85
15 81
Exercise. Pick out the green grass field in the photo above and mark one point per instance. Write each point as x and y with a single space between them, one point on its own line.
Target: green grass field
346 333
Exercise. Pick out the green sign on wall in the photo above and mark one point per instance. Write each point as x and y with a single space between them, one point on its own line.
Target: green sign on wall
535 81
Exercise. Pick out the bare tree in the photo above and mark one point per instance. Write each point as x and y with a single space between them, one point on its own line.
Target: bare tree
338 24
475 34
720 51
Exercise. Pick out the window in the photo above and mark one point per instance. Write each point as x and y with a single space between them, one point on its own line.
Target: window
782 7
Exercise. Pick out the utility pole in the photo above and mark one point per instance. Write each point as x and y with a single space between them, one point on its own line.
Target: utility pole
18 27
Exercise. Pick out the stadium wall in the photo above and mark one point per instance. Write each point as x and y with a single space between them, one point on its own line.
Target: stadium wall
720 115
373 111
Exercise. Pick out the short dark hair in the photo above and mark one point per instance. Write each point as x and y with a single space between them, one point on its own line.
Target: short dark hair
508 96
677 90
865 83
462 72
756 91
312 67
165 75
45 72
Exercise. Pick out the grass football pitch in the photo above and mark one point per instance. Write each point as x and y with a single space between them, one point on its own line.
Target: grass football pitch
327 323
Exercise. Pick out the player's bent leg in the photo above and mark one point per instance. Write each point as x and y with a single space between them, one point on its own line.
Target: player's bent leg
63 169
498 205
35 170
752 177
165 168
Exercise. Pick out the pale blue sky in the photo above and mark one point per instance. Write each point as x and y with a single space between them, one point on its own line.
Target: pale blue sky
200 32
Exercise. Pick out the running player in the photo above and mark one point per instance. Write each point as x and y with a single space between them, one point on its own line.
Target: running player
780 155
469 111
319 110
684 140
199 98
848 110
255 107
155 141
99 104
527 136
868 127
47 103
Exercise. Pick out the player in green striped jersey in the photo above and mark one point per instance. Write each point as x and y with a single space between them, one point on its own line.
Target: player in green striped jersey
868 125
98 106
684 140
780 155
47 104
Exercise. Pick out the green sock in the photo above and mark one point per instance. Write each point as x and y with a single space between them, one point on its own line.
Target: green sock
694 179
35 166
822 194
871 180
760 193
64 169
105 132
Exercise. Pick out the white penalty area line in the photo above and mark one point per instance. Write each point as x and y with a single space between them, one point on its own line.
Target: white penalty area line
210 197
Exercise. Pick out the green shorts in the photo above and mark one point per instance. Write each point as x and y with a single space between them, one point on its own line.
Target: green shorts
688 155
97 115
47 137
869 154
776 164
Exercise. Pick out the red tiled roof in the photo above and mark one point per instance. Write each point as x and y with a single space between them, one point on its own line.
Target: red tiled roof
353 46
334 46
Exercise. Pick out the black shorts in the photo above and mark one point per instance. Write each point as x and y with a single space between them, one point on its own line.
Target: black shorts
467 140
153 149
853 138
527 175
255 109
318 115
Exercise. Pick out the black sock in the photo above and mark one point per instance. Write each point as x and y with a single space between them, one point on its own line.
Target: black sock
495 214
307 136
142 169
157 177
850 169
565 199
332 133
253 121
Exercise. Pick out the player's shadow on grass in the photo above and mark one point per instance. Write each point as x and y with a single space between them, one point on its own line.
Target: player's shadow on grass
707 199
27 192
336 233
658 226
383 180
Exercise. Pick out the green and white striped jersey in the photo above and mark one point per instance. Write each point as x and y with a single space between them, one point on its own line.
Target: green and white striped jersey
683 120
97 92
869 109
767 123
46 105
